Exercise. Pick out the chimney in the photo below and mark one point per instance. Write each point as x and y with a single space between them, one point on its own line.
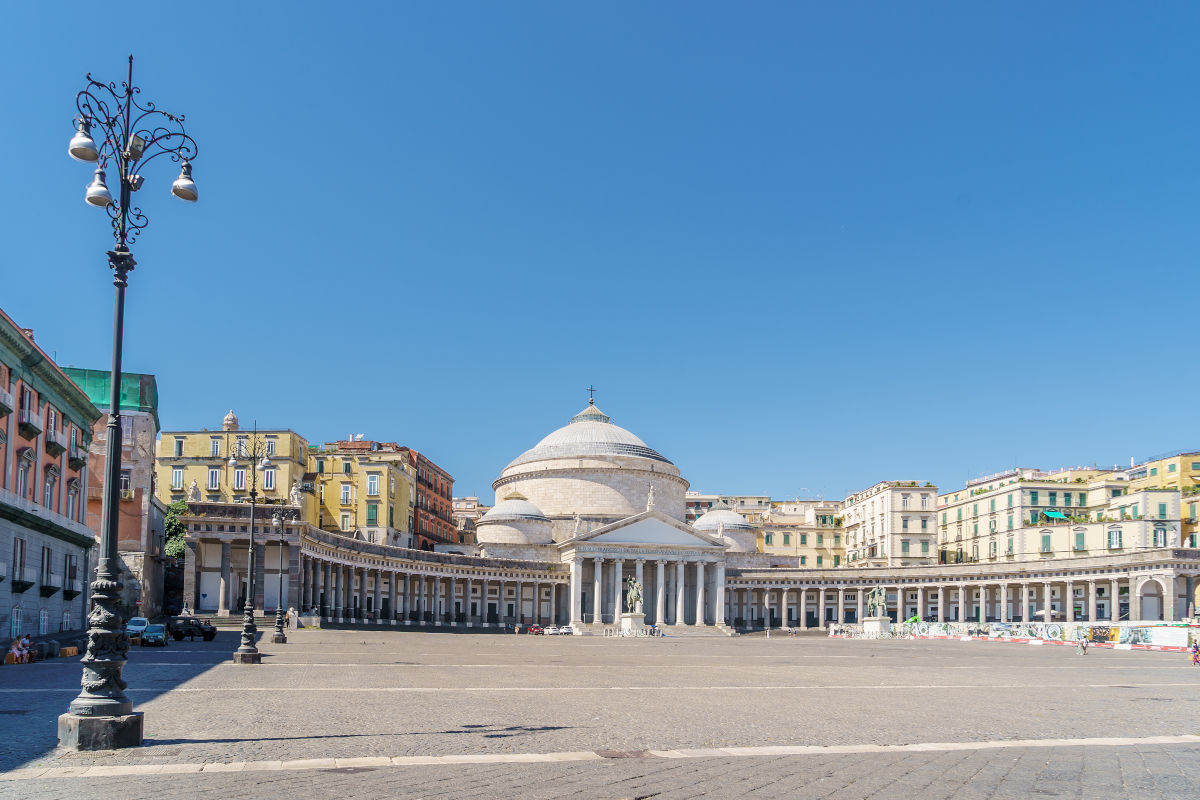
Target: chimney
1131 464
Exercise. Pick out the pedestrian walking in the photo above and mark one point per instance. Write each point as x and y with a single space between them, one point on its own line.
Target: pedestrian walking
1082 649
1196 654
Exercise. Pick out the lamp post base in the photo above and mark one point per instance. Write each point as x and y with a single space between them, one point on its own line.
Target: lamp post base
278 638
247 658
99 733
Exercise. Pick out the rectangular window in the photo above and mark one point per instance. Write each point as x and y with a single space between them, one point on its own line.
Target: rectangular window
372 485
1160 537
803 560
820 539
345 522
1079 540
1196 466
241 446
346 466
904 523
214 477
1170 468
1045 543
372 513
269 479
837 560
818 561
943 517
270 447
1162 510
178 446
904 547
1066 499
18 561
1010 546
924 502
1114 539
992 504
239 478
837 540
1010 500
787 538
345 493
177 477
975 509
126 481
925 547
1153 471
975 529
47 565
1010 522
924 524
804 538
768 539
214 447
960 513
1033 498
320 466
903 501
992 548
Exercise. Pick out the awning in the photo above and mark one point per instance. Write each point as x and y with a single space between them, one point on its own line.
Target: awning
1054 514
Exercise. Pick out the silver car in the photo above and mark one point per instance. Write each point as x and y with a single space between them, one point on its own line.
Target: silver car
136 626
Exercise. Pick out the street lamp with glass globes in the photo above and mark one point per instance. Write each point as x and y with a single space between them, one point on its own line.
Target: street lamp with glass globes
280 519
130 135
256 456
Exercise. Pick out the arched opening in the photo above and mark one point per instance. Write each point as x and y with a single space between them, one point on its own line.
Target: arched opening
1150 600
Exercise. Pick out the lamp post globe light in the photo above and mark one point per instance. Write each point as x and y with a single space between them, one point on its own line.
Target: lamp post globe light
129 134
255 455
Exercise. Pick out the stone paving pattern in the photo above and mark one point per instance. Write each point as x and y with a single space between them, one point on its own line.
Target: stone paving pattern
348 694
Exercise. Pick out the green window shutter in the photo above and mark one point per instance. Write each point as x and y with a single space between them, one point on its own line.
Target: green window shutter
372 514
1162 510
1045 543
1079 540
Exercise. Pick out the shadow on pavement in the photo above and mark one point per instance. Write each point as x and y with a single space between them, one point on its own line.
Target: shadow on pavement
33 695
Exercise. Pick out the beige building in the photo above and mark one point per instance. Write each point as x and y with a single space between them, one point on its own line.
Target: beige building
1179 470
808 530
751 506
366 489
891 524
194 465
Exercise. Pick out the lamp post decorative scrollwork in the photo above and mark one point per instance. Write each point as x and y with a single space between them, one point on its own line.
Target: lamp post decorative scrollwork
131 134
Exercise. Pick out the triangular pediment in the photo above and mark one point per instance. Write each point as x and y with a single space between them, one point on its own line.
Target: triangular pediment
649 528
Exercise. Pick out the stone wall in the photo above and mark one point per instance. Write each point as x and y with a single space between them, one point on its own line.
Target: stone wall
610 492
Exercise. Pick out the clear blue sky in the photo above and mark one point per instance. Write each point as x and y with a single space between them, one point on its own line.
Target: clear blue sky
794 244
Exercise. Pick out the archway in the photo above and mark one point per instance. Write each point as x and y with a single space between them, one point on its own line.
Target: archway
1150 595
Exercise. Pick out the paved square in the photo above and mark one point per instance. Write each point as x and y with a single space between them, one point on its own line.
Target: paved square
399 714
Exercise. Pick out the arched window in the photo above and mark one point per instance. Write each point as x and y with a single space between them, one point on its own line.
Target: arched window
73 498
1160 537
14 625
66 621
43 622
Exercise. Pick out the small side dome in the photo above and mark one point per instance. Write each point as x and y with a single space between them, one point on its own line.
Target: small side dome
514 507
230 423
722 516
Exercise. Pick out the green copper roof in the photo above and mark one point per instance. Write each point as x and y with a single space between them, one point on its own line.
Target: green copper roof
138 392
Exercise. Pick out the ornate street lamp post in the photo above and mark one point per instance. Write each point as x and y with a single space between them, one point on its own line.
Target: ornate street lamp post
131 135
256 456
280 519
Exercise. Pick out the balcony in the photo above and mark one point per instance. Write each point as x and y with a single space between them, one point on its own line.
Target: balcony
29 423
72 589
3 570
128 495
29 507
6 402
56 442
78 457
50 584
19 585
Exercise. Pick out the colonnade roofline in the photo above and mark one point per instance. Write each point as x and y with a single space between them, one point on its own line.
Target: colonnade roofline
1014 572
356 550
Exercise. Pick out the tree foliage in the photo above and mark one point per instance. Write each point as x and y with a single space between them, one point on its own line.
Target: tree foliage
175 530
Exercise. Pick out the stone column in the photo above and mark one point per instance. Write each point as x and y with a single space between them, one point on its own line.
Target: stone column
392 598
406 597
1092 601
1025 603
260 567
335 592
191 569
921 589
618 595
859 601
223 600
576 591
598 591
700 596
1048 598
1069 600
983 602
719 592
660 594
348 603
1114 603
553 610
323 596
680 600
421 602
841 601
803 610
785 603
1170 599
941 595
639 576
821 608
962 602
1004 602
378 595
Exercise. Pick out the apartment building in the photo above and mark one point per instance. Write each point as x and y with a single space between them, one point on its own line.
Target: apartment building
367 489
45 544
891 524
808 530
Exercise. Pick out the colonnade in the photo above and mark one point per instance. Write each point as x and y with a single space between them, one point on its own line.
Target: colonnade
675 591
1148 597
416 594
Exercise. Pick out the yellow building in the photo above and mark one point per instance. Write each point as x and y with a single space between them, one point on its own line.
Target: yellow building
366 489
810 530
1180 470
194 465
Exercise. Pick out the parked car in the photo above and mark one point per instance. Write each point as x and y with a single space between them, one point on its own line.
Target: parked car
551 630
535 629
566 630
190 627
136 625
154 635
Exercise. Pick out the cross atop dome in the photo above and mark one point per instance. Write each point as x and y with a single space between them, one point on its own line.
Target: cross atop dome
591 390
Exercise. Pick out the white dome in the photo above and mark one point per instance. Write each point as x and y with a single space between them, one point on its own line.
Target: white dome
722 516
514 508
590 433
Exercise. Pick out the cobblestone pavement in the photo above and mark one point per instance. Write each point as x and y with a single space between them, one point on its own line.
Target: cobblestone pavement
676 717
